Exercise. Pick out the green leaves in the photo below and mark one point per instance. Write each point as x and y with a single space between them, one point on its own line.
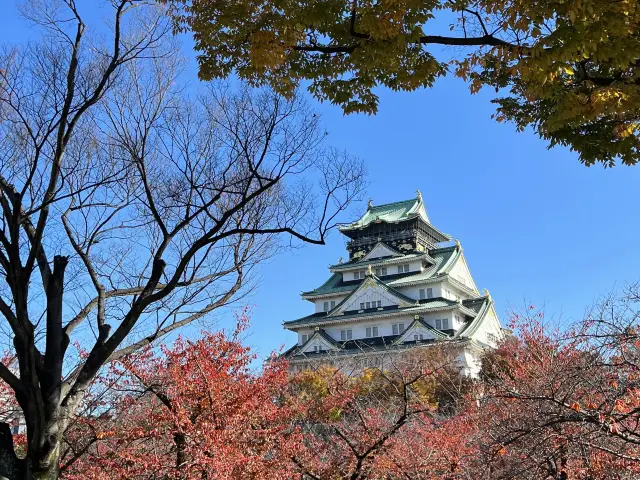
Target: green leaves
570 68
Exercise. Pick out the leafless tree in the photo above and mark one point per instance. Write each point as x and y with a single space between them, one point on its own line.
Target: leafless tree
130 208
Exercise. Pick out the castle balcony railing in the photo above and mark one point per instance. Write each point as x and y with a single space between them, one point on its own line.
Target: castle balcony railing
390 237
382 237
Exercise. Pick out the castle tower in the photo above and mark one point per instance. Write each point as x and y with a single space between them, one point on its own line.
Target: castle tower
400 289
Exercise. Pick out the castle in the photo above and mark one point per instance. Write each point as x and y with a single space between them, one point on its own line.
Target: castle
401 288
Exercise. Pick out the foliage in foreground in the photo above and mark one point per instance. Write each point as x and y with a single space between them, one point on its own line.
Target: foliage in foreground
198 411
194 410
550 403
568 68
565 404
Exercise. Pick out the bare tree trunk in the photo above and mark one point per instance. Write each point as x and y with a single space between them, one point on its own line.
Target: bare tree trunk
45 466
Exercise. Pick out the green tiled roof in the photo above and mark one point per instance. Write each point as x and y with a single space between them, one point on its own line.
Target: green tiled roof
437 333
481 306
443 258
475 304
333 285
390 213
355 347
382 261
422 307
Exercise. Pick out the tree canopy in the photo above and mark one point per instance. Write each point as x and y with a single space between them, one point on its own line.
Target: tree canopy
567 68
197 410
551 403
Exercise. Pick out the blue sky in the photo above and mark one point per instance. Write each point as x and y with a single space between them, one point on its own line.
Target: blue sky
536 225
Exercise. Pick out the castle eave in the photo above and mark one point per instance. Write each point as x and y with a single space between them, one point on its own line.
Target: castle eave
426 306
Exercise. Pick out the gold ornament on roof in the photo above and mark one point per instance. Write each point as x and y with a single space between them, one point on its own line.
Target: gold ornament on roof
370 204
486 293
339 260
369 270
458 244
419 195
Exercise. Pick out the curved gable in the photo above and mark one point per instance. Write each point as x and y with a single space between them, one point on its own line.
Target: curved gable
372 290
381 250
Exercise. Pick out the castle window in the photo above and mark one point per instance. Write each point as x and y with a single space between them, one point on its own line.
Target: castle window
381 271
417 337
429 292
422 295
397 328
371 332
346 335
333 303
316 348
359 275
379 303
445 324
438 324
403 268
362 306
326 306
304 338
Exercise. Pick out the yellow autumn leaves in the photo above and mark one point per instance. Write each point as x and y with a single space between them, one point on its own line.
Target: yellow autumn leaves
569 69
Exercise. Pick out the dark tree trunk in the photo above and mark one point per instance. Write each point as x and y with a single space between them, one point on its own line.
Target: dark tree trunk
11 467
47 448
41 399
181 449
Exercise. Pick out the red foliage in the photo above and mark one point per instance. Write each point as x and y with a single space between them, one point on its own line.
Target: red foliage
551 404
196 411
383 424
562 403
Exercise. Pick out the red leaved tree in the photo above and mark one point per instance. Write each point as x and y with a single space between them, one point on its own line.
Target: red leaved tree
565 403
551 404
197 410
385 424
